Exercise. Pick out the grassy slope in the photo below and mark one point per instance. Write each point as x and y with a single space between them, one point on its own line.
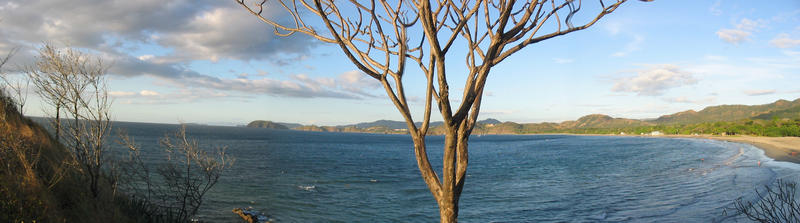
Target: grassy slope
727 113
38 181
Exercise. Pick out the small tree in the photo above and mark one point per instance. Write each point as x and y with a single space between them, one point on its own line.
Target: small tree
54 75
383 39
74 83
776 203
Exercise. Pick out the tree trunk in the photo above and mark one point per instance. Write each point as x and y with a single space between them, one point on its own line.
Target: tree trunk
447 191
448 211
58 123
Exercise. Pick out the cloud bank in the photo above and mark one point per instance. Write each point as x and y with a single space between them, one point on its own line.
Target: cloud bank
654 80
181 32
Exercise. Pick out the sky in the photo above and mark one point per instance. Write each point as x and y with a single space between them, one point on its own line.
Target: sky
210 61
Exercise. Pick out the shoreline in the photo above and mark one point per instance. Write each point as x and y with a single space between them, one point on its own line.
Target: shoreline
786 149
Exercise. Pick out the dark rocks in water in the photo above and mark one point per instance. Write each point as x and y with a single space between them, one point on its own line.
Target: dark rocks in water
252 216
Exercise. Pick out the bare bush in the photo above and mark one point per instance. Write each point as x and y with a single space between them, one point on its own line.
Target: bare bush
178 185
775 203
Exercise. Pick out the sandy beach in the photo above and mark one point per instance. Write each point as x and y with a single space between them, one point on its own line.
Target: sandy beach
778 148
785 149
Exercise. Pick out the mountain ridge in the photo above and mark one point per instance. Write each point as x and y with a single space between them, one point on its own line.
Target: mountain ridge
780 109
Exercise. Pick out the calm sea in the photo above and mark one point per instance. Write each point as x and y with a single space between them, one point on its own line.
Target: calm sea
295 176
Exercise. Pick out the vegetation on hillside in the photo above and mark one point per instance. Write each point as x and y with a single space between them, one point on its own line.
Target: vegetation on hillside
727 113
781 118
70 176
266 124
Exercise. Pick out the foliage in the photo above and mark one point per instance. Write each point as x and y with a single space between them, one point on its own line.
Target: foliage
774 128
728 113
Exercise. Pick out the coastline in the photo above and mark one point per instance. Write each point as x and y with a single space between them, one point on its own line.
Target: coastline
786 149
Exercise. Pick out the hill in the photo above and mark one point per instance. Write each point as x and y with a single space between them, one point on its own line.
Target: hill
382 123
289 125
266 124
729 113
721 119
790 113
37 182
601 121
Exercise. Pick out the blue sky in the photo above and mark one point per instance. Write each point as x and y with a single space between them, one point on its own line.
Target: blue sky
211 62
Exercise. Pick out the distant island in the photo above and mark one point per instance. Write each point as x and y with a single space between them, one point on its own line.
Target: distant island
780 118
266 124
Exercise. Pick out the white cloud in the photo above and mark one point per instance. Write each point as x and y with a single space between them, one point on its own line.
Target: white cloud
742 32
358 83
148 93
654 80
190 30
759 92
733 36
749 25
783 40
228 33
178 96
630 47
127 94
146 57
9 6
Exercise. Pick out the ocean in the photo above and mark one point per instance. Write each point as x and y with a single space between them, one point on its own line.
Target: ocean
296 176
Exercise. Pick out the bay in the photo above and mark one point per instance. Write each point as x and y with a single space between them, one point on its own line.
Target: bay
296 176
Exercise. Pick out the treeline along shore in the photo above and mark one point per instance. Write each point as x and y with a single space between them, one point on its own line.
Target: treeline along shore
774 127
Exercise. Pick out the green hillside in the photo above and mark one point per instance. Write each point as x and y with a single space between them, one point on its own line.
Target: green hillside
601 121
780 118
726 113
789 113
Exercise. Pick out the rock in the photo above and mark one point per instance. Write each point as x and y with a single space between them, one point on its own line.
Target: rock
251 216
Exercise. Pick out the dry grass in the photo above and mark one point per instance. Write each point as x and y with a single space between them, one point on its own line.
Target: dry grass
39 182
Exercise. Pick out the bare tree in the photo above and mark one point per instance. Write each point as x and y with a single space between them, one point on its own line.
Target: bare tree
73 83
14 87
52 74
776 203
193 173
189 172
382 37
